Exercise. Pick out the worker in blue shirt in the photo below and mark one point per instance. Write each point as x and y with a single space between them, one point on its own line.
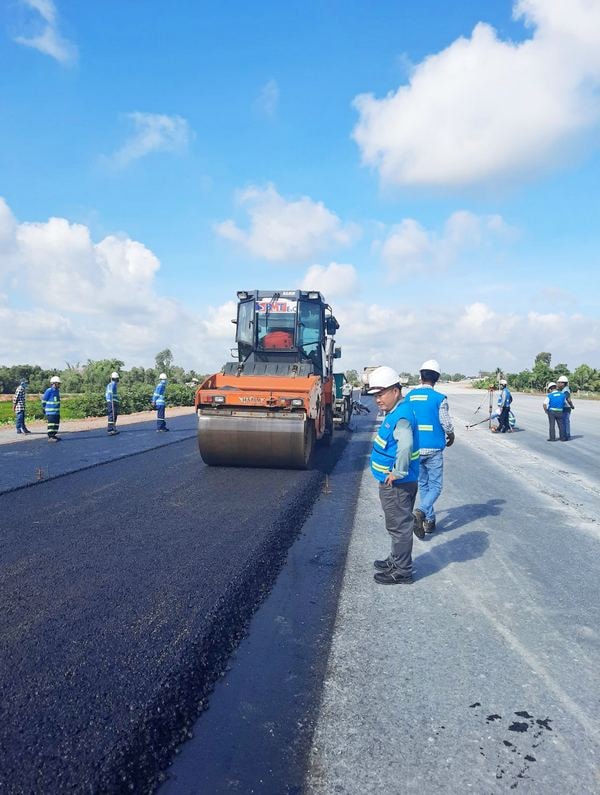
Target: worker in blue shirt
395 465
51 406
112 403
563 384
159 402
504 401
554 405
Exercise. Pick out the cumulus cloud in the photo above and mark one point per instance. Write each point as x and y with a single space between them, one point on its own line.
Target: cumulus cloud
333 280
48 40
152 132
484 108
268 99
463 338
93 299
410 247
282 230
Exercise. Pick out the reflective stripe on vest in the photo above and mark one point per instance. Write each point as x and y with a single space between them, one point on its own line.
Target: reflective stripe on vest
426 402
385 446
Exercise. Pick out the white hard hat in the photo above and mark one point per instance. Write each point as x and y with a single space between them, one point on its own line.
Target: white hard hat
55 380
162 377
551 384
114 375
382 378
432 365
562 379
502 382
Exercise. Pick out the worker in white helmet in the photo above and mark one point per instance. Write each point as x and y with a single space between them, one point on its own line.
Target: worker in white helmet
112 403
504 402
159 403
436 432
554 404
563 384
51 406
395 465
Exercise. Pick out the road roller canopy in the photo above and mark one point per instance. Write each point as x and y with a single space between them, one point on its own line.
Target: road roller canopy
286 326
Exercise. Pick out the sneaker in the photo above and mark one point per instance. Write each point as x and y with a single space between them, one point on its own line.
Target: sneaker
429 525
26 430
113 433
392 577
383 565
52 439
162 430
418 529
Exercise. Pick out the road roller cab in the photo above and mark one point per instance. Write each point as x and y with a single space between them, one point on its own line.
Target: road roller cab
270 406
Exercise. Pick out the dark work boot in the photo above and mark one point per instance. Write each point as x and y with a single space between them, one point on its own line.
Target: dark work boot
418 528
392 577
429 525
383 565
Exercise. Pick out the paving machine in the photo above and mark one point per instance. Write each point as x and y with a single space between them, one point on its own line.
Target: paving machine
270 406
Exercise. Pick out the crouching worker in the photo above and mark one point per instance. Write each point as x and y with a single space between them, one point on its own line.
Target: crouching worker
395 464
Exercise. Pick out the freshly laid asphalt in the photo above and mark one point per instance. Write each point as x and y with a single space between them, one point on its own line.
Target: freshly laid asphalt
127 586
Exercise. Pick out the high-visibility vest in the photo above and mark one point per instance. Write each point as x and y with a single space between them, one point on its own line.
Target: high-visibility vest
426 402
385 446
51 401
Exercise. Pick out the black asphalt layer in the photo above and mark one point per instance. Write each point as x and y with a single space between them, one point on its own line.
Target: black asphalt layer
257 733
32 459
124 588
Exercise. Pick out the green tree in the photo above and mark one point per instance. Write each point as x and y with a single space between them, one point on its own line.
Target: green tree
96 374
164 361
543 357
352 377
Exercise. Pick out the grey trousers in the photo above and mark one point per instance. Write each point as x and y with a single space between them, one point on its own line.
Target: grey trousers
397 503
556 418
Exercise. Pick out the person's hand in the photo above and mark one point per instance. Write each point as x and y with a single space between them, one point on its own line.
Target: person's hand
449 438
389 480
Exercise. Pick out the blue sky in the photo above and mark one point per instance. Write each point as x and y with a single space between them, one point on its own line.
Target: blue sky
433 168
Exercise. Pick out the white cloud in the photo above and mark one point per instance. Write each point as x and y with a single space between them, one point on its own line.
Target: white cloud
463 338
282 230
332 280
153 132
93 300
484 108
49 40
268 99
409 247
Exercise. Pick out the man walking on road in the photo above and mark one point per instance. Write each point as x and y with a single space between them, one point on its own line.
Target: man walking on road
436 432
554 404
563 384
112 403
504 401
51 406
395 464
19 407
159 402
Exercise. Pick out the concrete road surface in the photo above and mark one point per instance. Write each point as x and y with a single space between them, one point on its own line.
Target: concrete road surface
484 675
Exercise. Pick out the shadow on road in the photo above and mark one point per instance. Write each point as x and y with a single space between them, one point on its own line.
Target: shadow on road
464 514
459 550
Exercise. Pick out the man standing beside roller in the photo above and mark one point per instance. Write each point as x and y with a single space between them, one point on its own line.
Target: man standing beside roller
436 432
395 465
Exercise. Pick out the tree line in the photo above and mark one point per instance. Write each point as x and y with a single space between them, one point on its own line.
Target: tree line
95 374
582 379
83 386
